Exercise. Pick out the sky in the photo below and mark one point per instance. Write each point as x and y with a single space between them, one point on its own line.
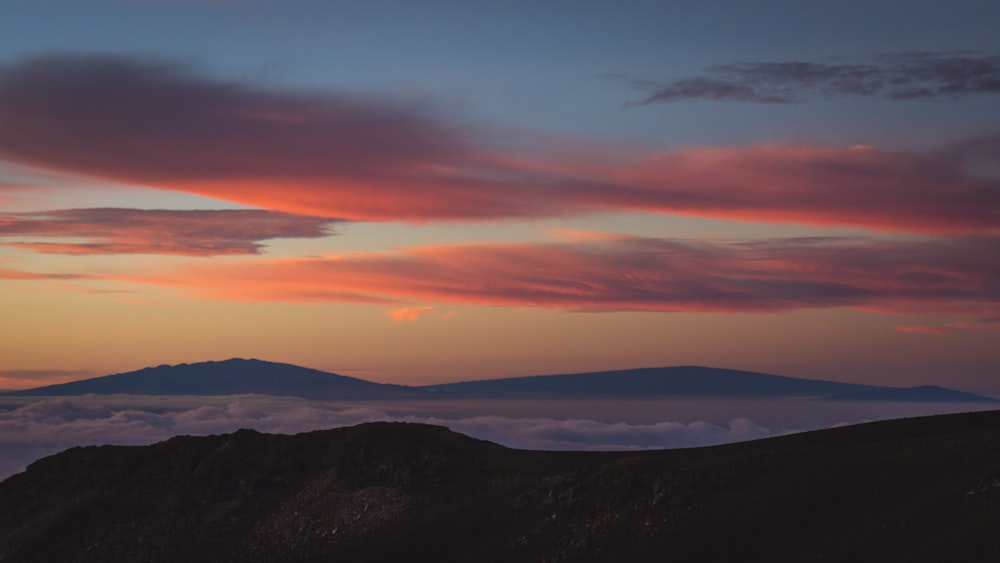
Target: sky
422 192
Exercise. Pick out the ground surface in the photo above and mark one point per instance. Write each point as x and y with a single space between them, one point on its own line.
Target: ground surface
923 489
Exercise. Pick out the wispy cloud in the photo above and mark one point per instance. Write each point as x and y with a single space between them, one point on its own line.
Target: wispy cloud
901 76
920 329
362 158
159 231
13 274
954 190
988 323
630 274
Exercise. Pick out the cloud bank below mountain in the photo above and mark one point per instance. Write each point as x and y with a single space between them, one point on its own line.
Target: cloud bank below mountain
31 429
42 428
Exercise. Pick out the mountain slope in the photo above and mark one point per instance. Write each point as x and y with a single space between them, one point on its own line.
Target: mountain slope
923 393
683 381
922 489
229 377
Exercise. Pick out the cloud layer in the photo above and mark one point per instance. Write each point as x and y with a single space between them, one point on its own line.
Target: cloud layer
49 426
365 158
630 274
156 231
902 76
32 429
157 124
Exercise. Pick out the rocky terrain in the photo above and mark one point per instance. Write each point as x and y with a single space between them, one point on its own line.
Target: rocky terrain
922 489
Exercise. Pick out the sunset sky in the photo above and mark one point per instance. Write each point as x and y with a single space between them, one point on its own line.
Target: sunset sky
421 192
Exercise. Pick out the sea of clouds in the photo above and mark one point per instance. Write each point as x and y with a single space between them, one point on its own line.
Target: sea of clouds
36 429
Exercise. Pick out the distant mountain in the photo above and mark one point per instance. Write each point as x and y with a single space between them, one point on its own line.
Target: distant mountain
649 382
682 381
919 489
230 377
924 393
239 376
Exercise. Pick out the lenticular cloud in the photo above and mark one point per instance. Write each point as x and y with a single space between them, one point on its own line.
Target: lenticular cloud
49 426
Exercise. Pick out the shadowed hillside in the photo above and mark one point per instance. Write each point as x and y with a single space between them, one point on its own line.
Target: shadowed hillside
924 489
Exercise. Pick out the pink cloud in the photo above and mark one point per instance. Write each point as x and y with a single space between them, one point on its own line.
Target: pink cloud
933 191
408 313
629 274
341 155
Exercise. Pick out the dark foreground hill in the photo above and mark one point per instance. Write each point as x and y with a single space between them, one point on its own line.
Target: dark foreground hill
924 489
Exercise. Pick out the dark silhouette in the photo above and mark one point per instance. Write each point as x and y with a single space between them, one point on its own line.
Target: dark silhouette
689 381
230 377
238 376
921 489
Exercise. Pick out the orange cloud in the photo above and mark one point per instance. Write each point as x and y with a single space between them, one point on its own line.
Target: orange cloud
408 313
341 155
629 274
